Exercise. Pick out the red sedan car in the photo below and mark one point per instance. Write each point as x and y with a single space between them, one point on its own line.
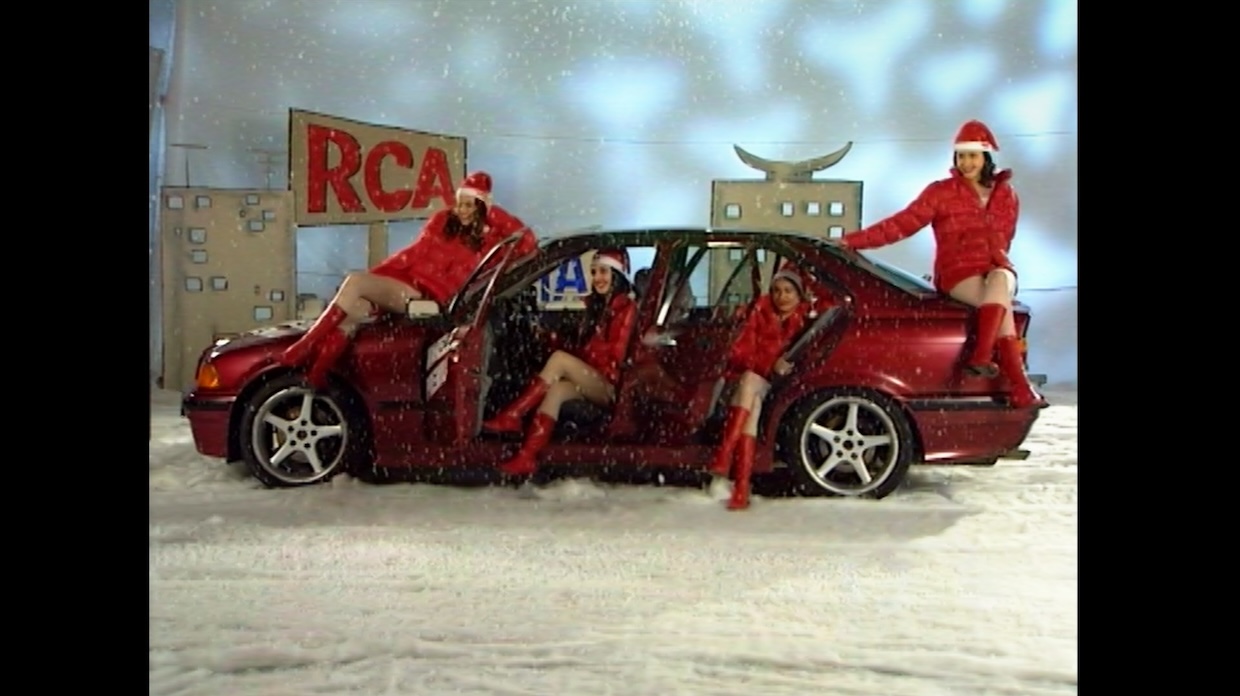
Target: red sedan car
877 386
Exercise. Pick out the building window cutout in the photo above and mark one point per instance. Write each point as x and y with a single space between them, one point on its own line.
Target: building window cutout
735 255
732 211
262 314
269 215
277 295
175 203
761 255
813 208
255 225
219 283
193 284
835 231
197 235
251 199
202 201
198 255
836 209
786 209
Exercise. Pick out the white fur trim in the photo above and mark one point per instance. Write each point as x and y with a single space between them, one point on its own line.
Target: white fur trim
792 278
976 146
476 193
611 263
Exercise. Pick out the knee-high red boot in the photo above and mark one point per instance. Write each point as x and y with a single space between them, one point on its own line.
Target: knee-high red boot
509 419
525 461
744 469
331 348
989 318
722 463
1013 366
300 352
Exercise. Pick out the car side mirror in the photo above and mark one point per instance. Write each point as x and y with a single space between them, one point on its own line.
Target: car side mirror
421 308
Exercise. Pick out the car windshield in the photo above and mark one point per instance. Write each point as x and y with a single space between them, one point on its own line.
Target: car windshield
480 283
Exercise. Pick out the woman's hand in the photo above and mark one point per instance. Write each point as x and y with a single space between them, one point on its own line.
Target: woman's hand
782 367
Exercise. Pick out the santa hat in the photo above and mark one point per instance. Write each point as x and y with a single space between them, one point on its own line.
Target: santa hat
615 259
478 185
974 136
789 272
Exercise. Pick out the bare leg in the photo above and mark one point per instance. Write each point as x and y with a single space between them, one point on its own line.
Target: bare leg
559 394
992 296
993 288
971 291
750 393
586 380
359 290
999 290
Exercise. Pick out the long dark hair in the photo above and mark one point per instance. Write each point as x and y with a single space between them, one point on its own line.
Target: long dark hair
987 177
470 235
598 305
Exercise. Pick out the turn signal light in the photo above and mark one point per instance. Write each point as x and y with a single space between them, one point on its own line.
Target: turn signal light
208 377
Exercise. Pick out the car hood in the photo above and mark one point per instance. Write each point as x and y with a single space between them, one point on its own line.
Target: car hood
278 333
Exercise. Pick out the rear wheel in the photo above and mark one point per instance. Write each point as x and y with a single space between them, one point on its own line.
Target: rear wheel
292 435
848 442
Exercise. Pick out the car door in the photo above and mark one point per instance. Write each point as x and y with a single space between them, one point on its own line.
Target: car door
682 352
456 362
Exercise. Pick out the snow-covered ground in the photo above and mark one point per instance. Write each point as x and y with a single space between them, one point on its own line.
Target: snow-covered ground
963 582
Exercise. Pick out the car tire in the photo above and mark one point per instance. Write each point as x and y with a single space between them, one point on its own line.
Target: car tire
330 441
822 449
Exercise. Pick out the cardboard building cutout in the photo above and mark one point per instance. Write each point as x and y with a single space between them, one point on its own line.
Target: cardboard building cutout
228 256
228 266
787 198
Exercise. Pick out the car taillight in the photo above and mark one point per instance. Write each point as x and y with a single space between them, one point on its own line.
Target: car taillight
208 376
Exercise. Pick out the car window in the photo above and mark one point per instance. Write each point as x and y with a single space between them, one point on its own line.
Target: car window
716 279
901 277
566 286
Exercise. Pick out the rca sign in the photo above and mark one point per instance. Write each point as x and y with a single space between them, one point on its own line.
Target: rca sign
346 172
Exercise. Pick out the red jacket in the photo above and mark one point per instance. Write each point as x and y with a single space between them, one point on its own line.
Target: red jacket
438 266
970 239
606 348
763 338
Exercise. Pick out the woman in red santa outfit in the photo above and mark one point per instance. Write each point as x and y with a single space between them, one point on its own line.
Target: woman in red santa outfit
774 320
589 371
973 213
434 266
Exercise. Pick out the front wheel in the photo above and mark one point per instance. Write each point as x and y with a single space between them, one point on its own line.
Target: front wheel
848 442
292 435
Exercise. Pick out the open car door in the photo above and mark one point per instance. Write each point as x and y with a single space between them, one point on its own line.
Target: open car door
682 352
456 362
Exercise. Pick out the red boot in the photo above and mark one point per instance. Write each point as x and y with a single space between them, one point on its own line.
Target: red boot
525 461
1012 363
989 318
300 352
744 468
331 348
722 463
509 419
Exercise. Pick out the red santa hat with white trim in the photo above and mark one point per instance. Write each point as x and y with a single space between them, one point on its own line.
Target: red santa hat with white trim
789 272
974 136
615 259
478 185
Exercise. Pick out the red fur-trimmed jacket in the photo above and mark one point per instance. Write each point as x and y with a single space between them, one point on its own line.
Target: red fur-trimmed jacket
437 266
607 345
970 239
763 338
